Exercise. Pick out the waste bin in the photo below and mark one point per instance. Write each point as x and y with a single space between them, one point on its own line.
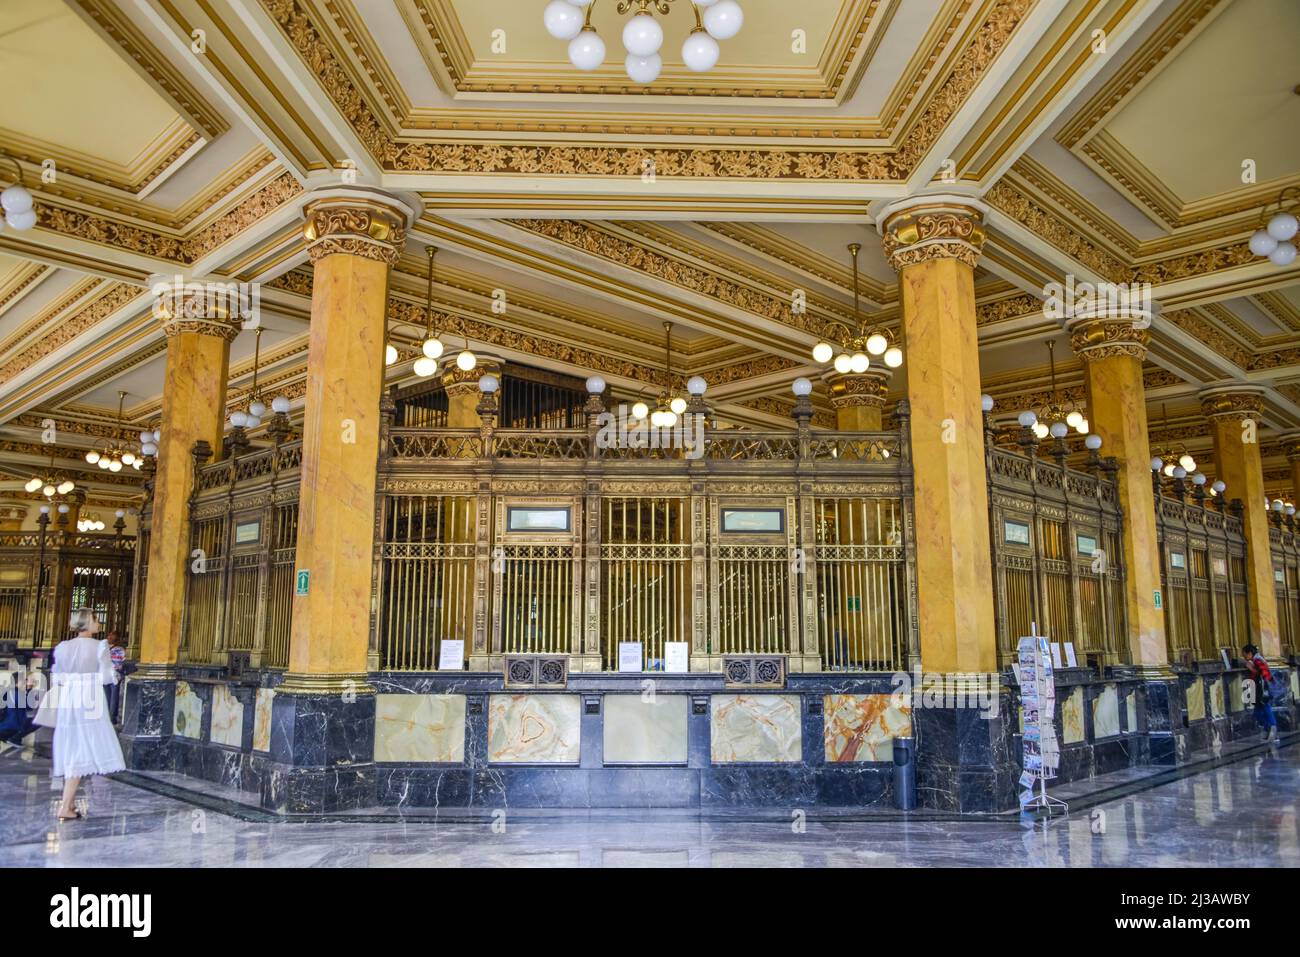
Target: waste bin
905 774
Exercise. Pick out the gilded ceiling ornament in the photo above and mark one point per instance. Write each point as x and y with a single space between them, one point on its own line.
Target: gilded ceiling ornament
1208 334
923 233
369 230
1047 225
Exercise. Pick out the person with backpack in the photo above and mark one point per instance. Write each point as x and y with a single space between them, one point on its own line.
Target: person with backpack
1260 673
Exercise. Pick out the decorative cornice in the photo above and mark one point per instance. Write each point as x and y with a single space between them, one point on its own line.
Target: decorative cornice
115 297
1045 224
924 232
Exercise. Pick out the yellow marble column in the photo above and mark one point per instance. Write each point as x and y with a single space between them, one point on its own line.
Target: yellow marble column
1293 459
199 331
1112 349
934 244
354 238
1234 413
859 399
463 393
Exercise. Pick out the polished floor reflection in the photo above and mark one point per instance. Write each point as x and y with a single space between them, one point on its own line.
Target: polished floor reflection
1242 814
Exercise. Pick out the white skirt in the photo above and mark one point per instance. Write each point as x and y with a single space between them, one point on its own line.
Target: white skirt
85 742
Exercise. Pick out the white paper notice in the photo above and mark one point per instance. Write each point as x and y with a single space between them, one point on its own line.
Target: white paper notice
1056 654
1070 660
629 656
451 655
677 656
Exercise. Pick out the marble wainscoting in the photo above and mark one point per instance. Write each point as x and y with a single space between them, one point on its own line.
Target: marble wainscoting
263 702
187 718
1218 708
1196 700
1072 716
426 728
756 729
1105 713
640 730
534 729
863 727
227 718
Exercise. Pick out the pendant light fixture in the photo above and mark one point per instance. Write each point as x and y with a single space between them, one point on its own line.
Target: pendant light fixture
859 344
1275 237
113 454
669 405
432 347
643 36
16 201
51 484
254 409
1170 458
1059 415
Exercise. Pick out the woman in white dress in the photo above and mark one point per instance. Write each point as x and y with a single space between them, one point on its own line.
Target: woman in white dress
84 739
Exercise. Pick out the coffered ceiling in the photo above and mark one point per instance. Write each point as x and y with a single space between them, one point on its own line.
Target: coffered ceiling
1106 137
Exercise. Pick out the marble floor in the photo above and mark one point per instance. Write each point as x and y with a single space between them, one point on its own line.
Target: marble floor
1245 813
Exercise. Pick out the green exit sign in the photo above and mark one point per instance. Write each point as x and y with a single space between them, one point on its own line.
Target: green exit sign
304 581
855 603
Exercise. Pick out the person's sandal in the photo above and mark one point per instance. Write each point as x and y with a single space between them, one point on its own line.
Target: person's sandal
76 816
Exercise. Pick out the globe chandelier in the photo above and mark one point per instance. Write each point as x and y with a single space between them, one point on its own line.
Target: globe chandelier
857 347
432 345
112 455
643 37
91 524
249 416
1173 460
1059 415
16 201
1275 237
51 484
670 404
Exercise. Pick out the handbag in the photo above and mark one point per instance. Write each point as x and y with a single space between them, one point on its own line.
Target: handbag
47 712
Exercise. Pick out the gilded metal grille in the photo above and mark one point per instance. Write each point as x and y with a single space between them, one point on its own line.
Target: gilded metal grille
203 599
13 602
752 592
428 578
245 581
861 594
1055 560
537 599
645 576
284 541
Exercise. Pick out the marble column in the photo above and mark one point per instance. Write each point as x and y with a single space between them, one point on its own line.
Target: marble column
463 395
199 331
1112 349
859 400
1234 413
965 762
322 726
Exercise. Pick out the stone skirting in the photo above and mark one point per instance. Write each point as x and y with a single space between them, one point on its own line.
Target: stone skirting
684 741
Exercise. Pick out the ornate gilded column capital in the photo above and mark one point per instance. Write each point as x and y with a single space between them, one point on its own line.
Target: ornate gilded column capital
923 228
457 381
852 390
1291 442
357 222
1096 339
206 308
1232 403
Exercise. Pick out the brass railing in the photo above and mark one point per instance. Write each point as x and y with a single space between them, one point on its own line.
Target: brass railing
1057 556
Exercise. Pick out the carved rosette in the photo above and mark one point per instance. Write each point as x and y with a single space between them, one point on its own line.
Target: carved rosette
855 390
354 227
1231 406
919 234
1096 339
